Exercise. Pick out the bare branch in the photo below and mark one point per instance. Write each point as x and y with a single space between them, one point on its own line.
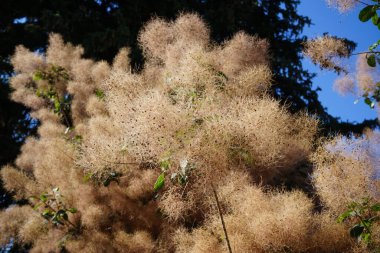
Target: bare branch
221 218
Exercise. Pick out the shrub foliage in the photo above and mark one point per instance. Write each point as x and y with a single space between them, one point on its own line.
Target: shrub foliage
128 161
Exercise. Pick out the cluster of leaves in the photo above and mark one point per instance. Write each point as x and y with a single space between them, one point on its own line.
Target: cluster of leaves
373 56
60 106
53 75
361 216
374 97
104 178
99 94
181 176
241 155
73 138
53 208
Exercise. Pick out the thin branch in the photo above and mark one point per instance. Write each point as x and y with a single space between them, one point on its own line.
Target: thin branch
221 218
184 189
65 153
121 163
362 2
366 52
54 210
65 117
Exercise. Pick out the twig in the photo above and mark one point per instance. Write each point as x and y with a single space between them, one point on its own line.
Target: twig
65 117
221 218
65 153
367 52
362 2
54 210
184 189
121 163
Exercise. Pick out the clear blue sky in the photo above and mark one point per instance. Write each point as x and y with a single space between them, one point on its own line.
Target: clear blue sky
347 25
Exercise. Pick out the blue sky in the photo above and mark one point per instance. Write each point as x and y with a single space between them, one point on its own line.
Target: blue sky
347 25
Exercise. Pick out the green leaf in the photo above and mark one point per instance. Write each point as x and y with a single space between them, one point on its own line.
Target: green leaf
77 139
87 177
47 214
165 164
43 197
56 219
38 75
344 216
62 214
72 210
366 13
366 223
356 230
375 207
375 19
368 101
107 182
112 176
35 208
365 237
40 93
159 182
182 179
99 93
57 106
371 60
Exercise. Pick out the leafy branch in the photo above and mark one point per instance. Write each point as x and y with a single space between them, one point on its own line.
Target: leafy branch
362 216
60 102
53 209
181 176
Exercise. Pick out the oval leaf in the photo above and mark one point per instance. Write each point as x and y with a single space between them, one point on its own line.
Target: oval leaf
375 19
366 13
368 101
47 213
356 231
371 60
43 197
376 207
365 237
160 182
344 216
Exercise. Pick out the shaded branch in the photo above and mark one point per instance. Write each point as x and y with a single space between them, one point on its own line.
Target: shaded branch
221 218
366 52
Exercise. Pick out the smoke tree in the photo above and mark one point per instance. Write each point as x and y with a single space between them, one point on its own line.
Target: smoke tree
128 161
327 51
